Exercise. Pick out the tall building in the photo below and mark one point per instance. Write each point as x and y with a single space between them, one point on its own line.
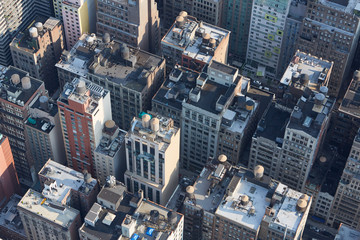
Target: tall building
38 49
84 108
43 133
297 140
346 119
297 12
203 112
79 17
18 92
152 157
193 44
43 218
136 23
110 157
331 30
131 75
121 215
303 73
266 36
10 223
228 202
65 186
346 205
237 19
16 15
9 184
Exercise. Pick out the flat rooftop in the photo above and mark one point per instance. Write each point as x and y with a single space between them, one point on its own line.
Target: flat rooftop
317 70
176 88
110 145
351 101
345 232
43 124
15 93
346 6
65 179
9 216
59 214
273 124
189 38
91 55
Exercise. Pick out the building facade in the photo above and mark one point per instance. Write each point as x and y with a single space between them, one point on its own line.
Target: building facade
132 76
9 184
265 38
331 31
84 108
110 158
43 133
136 23
38 49
152 157
19 91
43 218
193 44
345 207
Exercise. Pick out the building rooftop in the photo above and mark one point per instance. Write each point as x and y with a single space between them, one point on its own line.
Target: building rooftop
115 61
43 123
345 232
347 6
39 205
351 101
161 131
112 140
273 123
305 70
84 92
177 87
13 90
9 216
26 42
311 111
61 180
196 39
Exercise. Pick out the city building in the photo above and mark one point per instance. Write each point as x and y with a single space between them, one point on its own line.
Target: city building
304 71
18 92
193 44
345 232
38 49
110 157
43 133
203 112
78 16
266 35
346 118
294 19
131 75
228 202
84 108
346 204
266 144
68 187
43 218
152 157
237 18
168 99
331 30
210 11
10 223
136 23
9 184
16 15
121 215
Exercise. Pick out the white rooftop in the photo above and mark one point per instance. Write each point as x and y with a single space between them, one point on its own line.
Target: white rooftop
241 214
34 202
345 233
310 65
